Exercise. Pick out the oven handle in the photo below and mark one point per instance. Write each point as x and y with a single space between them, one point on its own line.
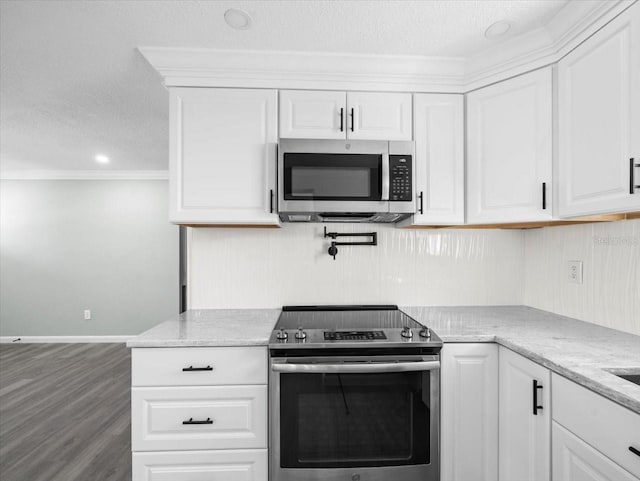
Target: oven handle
358 367
385 177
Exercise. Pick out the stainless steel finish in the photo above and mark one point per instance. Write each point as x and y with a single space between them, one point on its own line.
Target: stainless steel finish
425 332
385 177
282 334
406 332
358 367
301 334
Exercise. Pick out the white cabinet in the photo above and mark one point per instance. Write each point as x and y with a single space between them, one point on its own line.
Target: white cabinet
438 130
607 427
199 414
599 120
524 426
469 412
509 150
222 162
575 460
345 115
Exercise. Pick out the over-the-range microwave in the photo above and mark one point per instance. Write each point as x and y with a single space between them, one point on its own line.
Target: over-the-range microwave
345 180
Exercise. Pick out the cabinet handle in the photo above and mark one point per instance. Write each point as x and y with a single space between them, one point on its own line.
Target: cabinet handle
632 180
536 386
421 208
342 119
544 196
191 421
191 368
271 201
634 450
352 122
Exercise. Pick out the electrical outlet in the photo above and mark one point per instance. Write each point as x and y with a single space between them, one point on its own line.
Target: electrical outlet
575 272
87 314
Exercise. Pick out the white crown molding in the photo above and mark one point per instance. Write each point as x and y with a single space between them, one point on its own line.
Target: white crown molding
85 175
189 67
62 339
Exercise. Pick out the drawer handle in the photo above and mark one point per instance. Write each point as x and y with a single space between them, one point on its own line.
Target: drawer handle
191 368
191 421
634 450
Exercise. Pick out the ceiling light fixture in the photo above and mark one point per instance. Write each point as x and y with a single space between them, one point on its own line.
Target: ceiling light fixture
497 29
238 19
102 159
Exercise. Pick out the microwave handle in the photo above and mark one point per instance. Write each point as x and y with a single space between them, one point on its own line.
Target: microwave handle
385 177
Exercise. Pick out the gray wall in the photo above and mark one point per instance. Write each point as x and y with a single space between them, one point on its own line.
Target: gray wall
104 245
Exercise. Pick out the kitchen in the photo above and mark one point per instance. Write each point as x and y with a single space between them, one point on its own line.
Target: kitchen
509 210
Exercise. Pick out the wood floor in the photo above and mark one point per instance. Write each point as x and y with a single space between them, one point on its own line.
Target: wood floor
65 412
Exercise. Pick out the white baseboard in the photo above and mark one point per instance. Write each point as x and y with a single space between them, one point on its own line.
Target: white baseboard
61 339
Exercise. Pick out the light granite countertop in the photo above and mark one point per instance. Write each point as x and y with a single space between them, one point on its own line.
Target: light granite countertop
580 351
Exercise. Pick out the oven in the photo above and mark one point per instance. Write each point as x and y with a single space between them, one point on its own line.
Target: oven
364 414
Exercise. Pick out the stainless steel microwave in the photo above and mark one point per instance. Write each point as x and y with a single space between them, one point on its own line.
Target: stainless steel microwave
345 181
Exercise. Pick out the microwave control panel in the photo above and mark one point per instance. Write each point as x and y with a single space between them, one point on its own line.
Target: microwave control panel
400 178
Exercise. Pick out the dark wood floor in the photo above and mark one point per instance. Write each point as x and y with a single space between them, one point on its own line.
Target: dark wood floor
65 412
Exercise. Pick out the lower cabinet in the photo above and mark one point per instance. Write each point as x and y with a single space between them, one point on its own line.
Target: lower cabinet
525 417
469 412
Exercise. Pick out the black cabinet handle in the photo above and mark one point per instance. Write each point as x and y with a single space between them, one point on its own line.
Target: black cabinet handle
632 180
271 201
536 386
634 450
352 122
191 368
421 208
191 421
544 196
342 119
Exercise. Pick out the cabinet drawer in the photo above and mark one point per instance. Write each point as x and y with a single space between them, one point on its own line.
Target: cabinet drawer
231 417
246 465
605 425
198 366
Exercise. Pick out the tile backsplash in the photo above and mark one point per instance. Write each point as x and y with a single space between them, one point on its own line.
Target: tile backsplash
255 268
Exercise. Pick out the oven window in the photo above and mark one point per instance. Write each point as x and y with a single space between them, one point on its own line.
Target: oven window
351 420
332 177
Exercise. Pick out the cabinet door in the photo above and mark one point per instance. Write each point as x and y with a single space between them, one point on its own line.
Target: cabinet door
575 460
509 150
222 156
469 412
308 114
599 120
438 129
378 116
524 436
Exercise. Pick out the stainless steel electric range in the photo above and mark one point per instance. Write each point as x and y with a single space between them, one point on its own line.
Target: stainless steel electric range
354 395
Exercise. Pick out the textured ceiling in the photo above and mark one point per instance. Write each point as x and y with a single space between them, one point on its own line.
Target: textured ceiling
73 85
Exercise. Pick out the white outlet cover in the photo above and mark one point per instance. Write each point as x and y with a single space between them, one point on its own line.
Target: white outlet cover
575 272
87 314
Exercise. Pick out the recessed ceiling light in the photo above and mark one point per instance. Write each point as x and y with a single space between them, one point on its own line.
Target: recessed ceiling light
102 159
497 29
238 19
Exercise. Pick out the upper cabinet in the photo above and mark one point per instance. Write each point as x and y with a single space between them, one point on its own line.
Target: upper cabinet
345 115
222 163
509 150
438 126
599 121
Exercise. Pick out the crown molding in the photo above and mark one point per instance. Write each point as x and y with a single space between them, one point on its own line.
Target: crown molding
85 175
191 67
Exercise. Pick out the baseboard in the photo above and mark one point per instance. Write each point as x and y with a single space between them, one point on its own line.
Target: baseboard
62 339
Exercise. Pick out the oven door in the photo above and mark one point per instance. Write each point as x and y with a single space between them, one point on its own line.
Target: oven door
355 419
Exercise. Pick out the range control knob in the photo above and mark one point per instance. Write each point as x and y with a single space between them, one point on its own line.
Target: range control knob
406 332
301 335
282 335
425 332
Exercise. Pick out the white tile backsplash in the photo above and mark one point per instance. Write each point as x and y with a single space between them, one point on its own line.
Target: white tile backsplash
610 252
246 268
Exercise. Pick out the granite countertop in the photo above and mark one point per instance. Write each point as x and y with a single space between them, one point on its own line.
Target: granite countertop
578 350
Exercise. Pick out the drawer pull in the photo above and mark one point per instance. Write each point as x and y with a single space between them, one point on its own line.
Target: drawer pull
536 386
191 368
191 421
634 450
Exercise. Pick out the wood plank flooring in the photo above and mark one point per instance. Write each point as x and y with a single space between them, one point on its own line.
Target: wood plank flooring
65 412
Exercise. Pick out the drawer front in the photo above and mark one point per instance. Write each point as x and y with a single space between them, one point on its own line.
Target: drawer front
246 465
605 425
182 418
198 366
